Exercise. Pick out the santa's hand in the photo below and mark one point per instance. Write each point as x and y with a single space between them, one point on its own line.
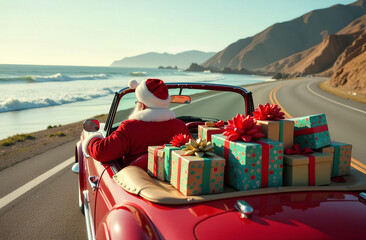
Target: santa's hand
88 136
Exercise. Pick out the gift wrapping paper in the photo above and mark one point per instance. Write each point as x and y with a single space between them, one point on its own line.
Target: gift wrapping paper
311 131
341 158
281 131
168 159
307 169
205 132
251 165
193 175
155 164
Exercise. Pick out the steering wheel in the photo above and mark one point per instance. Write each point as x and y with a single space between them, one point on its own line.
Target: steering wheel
193 128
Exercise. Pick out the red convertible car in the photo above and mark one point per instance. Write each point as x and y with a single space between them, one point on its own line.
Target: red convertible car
129 204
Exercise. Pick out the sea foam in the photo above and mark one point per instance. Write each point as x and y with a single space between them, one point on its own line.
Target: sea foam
14 104
53 78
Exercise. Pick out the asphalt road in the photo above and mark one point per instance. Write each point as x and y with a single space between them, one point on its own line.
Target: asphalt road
47 206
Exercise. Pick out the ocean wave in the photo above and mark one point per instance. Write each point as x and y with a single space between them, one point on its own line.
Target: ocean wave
137 73
58 77
15 104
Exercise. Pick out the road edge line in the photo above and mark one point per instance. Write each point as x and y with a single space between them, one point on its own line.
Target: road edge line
33 183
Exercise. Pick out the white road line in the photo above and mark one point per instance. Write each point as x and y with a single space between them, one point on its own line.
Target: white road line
28 186
200 99
344 105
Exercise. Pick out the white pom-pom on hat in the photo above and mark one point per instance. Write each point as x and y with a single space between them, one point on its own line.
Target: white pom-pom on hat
133 84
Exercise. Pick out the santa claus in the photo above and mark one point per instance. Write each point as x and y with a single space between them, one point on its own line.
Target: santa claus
151 123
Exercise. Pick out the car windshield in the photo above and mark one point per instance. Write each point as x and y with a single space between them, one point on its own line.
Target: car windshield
205 106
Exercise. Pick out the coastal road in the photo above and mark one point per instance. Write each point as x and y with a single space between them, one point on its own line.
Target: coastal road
39 195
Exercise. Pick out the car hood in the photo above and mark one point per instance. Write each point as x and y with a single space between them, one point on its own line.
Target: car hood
303 215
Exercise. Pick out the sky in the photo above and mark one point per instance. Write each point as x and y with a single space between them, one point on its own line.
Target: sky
97 32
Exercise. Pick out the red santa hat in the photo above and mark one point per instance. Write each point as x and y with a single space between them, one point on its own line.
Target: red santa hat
152 92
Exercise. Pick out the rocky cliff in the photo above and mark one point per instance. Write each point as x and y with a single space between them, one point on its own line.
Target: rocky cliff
285 39
350 67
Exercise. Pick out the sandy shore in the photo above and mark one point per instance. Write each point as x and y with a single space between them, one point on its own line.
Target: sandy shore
20 151
10 155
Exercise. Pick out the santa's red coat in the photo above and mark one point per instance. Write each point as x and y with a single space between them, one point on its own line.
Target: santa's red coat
132 139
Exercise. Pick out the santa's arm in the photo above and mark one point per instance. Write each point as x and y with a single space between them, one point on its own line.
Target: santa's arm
110 148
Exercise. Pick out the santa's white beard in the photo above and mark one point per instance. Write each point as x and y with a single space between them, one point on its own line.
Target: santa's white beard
137 109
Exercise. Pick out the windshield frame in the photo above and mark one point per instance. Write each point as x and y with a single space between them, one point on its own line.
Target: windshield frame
247 95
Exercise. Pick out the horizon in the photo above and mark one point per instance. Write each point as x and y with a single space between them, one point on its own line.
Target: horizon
60 34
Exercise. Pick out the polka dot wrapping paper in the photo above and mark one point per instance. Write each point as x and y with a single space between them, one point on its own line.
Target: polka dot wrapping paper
168 149
342 154
155 164
193 175
311 131
251 165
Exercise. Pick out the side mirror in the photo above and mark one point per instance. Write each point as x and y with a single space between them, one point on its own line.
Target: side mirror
91 125
180 99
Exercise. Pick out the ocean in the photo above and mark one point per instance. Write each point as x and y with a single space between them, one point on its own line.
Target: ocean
33 97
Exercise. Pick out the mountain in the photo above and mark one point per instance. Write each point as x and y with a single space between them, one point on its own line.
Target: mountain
322 56
154 60
350 67
284 39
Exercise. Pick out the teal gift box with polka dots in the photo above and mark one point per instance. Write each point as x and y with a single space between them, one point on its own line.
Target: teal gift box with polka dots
311 131
193 175
341 155
252 165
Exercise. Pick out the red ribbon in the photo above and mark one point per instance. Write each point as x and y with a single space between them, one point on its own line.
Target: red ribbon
296 150
209 133
312 130
180 140
265 163
219 124
305 152
268 112
226 156
155 171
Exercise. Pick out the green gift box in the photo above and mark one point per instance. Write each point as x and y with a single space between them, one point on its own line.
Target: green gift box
193 175
155 164
168 158
251 165
311 131
341 155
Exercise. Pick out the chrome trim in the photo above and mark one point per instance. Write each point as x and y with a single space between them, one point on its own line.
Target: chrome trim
244 208
88 217
75 168
363 195
93 181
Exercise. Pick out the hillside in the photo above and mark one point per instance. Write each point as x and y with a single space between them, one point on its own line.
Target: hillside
154 60
322 56
350 67
284 39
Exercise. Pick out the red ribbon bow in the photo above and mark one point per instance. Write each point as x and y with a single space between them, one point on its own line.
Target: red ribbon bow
244 128
268 112
296 150
180 140
219 123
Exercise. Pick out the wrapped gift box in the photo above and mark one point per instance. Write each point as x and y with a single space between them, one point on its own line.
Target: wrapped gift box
168 159
205 132
281 131
193 175
155 164
305 170
251 165
341 157
311 131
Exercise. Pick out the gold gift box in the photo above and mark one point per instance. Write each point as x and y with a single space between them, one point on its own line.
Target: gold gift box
272 130
296 169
